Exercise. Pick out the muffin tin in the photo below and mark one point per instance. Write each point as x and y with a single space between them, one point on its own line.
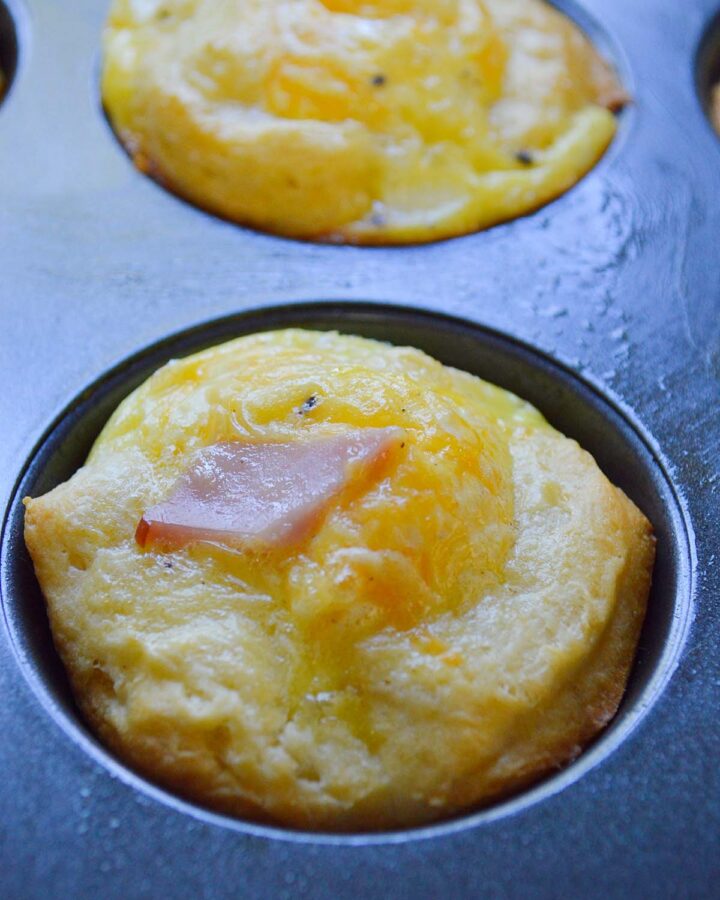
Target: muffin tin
8 49
601 308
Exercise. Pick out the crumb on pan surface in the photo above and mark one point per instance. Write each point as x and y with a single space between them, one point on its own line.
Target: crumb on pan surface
463 626
365 122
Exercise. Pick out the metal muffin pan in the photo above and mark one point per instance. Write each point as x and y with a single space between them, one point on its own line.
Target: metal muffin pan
614 287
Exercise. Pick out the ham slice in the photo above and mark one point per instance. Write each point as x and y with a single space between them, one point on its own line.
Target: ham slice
264 495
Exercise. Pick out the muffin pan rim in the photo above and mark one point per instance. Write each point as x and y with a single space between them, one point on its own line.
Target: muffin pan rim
302 313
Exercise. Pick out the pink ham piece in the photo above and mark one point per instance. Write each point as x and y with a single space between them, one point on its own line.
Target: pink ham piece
257 496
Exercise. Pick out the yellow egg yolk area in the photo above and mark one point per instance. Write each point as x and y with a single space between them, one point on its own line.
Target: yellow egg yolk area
369 122
402 550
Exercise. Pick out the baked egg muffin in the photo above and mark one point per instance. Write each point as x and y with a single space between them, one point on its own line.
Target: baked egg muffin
715 108
366 121
330 583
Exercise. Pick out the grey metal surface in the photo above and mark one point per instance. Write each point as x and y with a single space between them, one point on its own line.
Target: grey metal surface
619 279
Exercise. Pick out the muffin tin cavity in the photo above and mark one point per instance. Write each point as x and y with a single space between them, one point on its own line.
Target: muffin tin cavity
708 72
575 407
8 50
